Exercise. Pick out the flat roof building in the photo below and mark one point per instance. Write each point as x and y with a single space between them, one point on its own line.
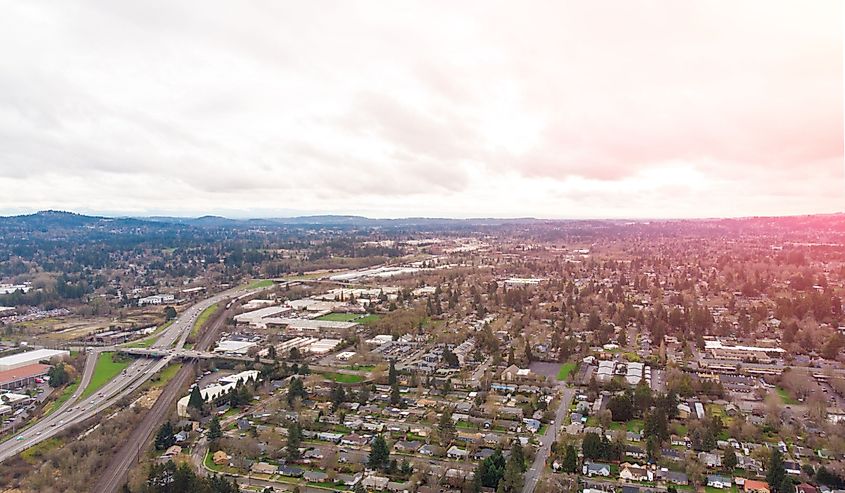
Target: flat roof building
30 357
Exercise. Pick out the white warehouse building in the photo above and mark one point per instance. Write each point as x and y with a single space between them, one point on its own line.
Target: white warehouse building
30 358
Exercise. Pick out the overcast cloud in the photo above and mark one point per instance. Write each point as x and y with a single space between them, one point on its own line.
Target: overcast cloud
389 109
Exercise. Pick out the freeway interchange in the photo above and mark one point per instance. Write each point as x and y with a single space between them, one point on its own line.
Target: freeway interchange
76 410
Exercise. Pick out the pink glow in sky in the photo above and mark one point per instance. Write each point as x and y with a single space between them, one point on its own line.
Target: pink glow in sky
547 109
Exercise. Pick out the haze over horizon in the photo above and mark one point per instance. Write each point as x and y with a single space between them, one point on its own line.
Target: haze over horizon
549 110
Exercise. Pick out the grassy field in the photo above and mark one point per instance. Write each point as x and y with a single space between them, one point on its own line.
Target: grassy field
343 378
107 368
565 370
202 319
260 283
63 397
35 452
339 317
368 319
634 425
785 397
361 367
165 375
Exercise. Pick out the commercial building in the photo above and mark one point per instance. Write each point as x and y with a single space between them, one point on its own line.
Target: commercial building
157 299
233 347
22 376
30 358
217 390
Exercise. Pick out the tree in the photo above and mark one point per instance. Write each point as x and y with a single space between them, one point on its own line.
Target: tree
450 358
379 454
296 389
391 373
642 398
621 407
510 356
570 459
294 353
395 397
214 431
294 441
169 313
656 424
446 428
775 471
58 375
164 436
729 460
518 455
338 396
489 472
195 400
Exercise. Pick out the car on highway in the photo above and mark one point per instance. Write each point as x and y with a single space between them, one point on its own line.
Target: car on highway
20 437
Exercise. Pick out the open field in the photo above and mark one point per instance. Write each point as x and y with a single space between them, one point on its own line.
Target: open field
203 318
565 370
106 369
260 283
343 378
785 397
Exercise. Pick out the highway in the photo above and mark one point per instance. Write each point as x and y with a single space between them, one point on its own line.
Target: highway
74 411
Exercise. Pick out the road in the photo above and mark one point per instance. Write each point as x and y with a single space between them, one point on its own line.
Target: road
115 475
532 475
74 411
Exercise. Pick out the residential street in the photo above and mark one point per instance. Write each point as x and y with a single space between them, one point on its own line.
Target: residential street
532 475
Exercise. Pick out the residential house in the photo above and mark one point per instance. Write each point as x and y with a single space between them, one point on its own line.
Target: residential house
315 476
407 447
264 468
374 482
456 453
596 469
719 481
634 472
753 486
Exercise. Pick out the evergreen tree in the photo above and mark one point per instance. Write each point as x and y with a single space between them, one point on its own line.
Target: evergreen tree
379 454
296 389
294 441
729 460
570 459
775 471
446 428
195 400
214 430
164 436
395 398
489 472
391 373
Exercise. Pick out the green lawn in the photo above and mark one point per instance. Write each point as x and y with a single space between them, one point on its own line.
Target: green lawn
368 319
165 375
260 283
203 318
785 397
63 397
339 317
565 370
633 425
343 377
106 369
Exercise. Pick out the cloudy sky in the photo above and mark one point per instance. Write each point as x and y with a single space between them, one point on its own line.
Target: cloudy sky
563 109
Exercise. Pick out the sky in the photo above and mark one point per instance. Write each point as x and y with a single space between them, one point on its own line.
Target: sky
560 109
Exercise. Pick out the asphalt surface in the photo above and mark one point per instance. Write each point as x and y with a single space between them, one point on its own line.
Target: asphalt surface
74 411
115 475
532 475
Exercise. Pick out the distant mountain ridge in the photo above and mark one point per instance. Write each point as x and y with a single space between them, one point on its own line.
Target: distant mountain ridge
70 220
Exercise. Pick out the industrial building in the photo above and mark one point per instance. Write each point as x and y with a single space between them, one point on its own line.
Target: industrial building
30 357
